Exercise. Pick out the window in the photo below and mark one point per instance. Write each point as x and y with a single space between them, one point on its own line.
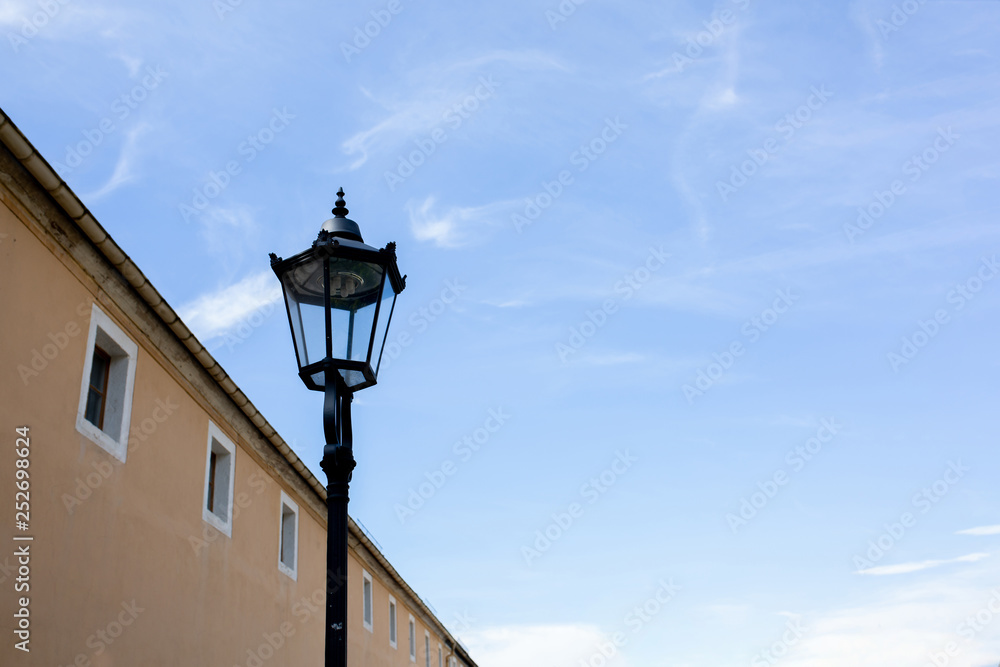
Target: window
217 508
413 640
392 621
427 649
105 408
440 657
288 539
366 595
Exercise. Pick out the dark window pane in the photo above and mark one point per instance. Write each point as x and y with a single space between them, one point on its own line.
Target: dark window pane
213 460
97 394
94 405
99 371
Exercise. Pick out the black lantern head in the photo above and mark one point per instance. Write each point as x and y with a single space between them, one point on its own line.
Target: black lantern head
334 294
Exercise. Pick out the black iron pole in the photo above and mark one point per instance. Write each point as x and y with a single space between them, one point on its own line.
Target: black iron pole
338 463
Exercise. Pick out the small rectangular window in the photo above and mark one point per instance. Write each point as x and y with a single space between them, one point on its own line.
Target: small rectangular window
288 539
440 656
427 649
413 640
392 621
220 466
366 595
105 409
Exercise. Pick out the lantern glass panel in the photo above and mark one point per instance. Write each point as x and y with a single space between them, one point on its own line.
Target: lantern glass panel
305 311
381 356
355 290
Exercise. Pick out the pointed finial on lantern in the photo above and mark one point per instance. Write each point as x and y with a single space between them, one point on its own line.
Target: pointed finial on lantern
339 226
340 207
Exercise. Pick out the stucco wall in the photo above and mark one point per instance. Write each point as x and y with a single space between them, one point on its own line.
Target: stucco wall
108 534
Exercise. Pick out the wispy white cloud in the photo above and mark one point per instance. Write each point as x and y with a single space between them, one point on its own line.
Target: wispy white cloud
717 94
455 227
862 17
902 623
133 64
609 359
525 59
980 530
234 219
721 98
680 179
215 313
917 566
436 91
13 13
227 232
833 249
62 20
408 119
715 87
125 167
715 288
721 94
549 645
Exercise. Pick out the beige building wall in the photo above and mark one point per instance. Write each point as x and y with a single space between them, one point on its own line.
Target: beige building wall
124 568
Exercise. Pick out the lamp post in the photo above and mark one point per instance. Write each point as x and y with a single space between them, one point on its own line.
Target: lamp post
334 294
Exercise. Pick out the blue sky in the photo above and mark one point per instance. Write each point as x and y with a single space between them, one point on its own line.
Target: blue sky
709 287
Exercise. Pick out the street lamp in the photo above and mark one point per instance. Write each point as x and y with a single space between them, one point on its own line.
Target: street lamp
334 294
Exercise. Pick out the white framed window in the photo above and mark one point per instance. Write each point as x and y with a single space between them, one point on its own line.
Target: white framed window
413 639
440 656
392 622
105 408
288 539
366 599
427 649
220 469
